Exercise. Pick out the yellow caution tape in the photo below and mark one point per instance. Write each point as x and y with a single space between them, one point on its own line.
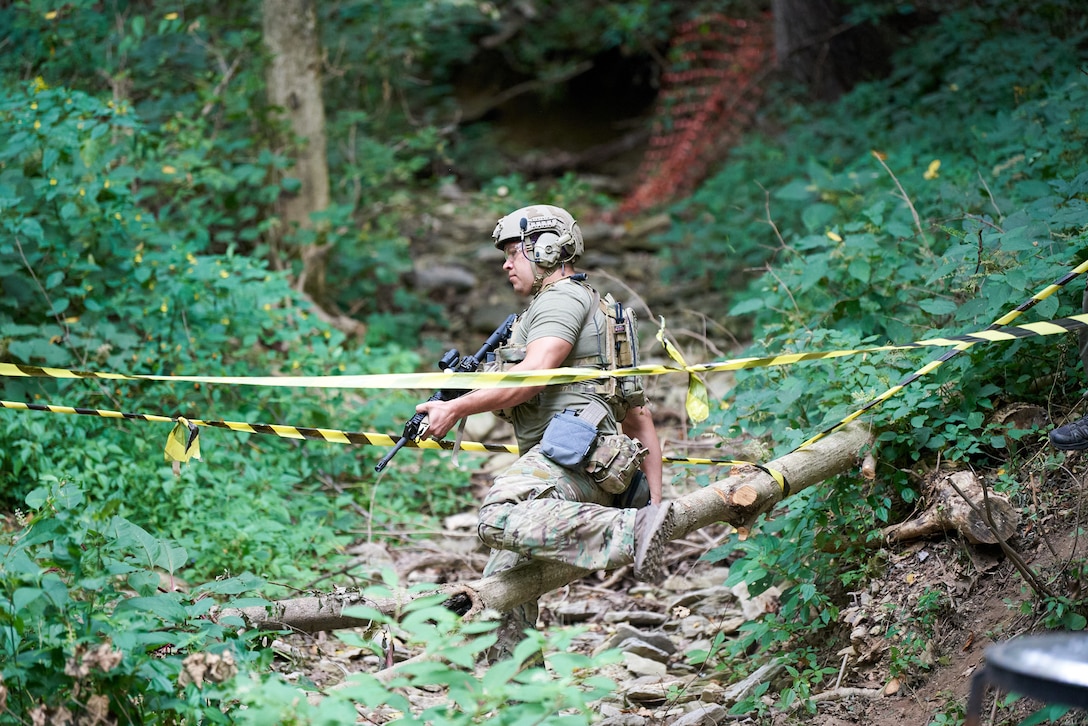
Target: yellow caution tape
697 402
572 375
183 443
962 343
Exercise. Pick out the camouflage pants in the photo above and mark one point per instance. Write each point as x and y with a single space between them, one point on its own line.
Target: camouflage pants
537 508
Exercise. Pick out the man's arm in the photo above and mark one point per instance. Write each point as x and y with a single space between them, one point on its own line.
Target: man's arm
541 354
638 424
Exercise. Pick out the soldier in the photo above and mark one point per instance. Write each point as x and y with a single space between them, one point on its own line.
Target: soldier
556 501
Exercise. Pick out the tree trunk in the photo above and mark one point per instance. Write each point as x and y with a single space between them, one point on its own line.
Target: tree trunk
738 500
815 46
958 501
294 85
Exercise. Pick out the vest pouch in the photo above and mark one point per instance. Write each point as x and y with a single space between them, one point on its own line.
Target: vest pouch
636 496
614 461
568 439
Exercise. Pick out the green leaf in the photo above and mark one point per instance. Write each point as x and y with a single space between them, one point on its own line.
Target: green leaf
365 612
172 557
165 607
24 596
817 217
744 307
59 306
938 306
799 190
860 269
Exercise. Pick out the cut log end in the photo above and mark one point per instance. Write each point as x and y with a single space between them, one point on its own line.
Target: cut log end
745 496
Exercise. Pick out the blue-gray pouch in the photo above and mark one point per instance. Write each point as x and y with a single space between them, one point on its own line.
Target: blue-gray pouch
568 439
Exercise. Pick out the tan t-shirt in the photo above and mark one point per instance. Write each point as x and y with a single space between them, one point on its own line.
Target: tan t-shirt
561 310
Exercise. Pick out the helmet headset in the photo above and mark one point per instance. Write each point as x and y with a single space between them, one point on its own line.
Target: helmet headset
549 235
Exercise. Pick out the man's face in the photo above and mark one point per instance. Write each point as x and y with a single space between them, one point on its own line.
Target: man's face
518 268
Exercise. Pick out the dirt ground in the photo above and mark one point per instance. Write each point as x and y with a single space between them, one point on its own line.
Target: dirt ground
985 593
977 593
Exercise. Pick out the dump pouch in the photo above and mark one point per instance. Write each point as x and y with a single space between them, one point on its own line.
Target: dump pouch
613 462
636 496
568 439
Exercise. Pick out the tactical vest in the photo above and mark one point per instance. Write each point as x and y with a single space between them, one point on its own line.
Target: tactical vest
617 344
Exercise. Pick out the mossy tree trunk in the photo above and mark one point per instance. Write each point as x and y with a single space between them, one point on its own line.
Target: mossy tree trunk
294 85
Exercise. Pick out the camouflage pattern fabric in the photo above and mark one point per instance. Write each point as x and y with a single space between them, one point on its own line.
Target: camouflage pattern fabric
539 509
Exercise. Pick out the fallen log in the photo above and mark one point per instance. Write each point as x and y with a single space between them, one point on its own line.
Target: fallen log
737 500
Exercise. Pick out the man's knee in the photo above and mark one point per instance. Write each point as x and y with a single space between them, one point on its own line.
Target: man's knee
492 524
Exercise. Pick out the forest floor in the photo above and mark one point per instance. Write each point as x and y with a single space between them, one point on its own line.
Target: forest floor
977 594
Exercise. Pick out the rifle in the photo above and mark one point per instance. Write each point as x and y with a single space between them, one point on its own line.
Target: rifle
452 362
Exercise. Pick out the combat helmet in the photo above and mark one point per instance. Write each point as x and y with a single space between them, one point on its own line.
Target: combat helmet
550 235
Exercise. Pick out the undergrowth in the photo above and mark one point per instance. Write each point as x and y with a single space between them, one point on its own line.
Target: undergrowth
880 220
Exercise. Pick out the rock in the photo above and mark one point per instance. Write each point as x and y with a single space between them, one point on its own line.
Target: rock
464 520
758 605
623 719
639 647
644 618
696 626
575 612
643 666
625 633
705 714
708 578
442 275
653 690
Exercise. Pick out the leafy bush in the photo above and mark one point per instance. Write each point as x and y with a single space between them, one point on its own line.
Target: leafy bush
92 627
890 225
94 624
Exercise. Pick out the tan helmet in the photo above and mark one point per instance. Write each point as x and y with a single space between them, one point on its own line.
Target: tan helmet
550 235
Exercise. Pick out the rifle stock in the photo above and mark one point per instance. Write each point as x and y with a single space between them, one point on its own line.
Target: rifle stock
453 362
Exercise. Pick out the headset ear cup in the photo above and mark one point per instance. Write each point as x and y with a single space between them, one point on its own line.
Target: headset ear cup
546 249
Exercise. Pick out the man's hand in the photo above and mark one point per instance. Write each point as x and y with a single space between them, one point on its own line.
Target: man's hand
541 354
441 417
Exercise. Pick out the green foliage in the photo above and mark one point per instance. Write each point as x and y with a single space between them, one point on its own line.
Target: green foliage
511 691
139 233
91 623
877 221
955 717
96 281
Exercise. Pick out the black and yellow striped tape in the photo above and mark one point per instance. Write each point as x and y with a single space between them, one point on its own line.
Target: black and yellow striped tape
189 448
997 330
184 442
